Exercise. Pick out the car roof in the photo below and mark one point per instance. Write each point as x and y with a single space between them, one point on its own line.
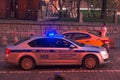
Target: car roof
76 31
36 37
79 31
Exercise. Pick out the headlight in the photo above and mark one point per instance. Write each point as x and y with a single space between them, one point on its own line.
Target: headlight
104 54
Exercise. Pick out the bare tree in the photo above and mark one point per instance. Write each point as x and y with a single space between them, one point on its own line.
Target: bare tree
61 4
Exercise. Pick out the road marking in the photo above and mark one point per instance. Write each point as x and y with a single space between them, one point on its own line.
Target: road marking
73 71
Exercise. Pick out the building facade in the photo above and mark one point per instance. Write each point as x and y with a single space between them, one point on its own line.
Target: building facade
28 9
19 9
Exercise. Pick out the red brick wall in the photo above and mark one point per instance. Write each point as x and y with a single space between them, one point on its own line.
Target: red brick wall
25 29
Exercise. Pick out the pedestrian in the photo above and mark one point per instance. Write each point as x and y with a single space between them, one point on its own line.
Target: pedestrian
103 30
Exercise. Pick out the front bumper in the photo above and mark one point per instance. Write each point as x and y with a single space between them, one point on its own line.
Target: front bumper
106 60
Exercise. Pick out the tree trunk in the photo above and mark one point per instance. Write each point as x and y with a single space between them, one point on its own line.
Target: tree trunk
60 7
115 19
78 10
104 9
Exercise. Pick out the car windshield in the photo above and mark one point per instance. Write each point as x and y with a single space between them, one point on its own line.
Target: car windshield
78 43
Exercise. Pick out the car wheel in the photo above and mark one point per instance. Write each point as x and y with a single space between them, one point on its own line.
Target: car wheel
27 63
90 62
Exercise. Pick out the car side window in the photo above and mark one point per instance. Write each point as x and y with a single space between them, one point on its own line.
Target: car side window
77 36
61 43
70 35
42 42
81 36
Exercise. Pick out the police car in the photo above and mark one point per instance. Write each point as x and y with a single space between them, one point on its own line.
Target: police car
55 50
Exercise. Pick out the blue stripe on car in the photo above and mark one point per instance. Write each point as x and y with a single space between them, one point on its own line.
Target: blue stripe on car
20 50
85 51
32 50
80 51
50 51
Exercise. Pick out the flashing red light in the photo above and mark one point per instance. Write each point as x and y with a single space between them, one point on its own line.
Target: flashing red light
106 41
7 51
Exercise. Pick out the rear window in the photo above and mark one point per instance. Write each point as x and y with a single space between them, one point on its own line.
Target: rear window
97 33
22 41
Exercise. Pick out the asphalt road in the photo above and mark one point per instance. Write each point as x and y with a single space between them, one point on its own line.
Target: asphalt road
109 71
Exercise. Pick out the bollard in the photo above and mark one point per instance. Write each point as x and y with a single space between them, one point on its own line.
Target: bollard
16 39
4 41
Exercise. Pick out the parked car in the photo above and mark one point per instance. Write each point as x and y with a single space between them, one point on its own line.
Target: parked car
88 38
54 50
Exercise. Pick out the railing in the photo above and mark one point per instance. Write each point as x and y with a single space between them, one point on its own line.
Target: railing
26 15
2 14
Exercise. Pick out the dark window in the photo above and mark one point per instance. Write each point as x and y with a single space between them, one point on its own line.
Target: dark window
49 42
96 33
77 36
42 42
81 36
70 35
60 43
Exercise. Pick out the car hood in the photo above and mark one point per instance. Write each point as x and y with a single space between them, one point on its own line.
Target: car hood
93 48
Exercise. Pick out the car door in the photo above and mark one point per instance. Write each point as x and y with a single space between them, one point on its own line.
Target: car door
88 39
44 50
65 54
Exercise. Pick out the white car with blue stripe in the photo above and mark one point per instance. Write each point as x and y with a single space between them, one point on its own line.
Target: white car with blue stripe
55 50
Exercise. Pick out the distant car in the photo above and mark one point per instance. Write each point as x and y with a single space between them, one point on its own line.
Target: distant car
88 38
55 50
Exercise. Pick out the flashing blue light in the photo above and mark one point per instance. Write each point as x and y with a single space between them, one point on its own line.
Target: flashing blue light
51 34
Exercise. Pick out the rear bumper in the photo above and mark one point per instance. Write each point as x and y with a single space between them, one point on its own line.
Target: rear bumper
10 61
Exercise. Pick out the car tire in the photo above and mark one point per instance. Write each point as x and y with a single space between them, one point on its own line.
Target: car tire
90 62
27 63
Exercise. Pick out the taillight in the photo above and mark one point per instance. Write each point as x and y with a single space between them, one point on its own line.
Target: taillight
7 51
106 41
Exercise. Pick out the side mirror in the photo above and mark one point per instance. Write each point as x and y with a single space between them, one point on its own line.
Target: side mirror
72 46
